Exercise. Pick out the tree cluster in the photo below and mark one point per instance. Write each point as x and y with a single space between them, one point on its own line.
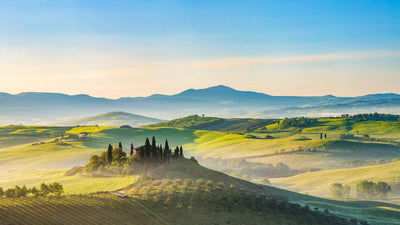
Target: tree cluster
372 117
115 160
298 122
370 190
43 190
340 191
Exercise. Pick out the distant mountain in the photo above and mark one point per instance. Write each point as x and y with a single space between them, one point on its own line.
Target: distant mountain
389 106
220 101
113 119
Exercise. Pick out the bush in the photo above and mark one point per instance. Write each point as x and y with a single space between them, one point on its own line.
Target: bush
73 171
188 182
200 182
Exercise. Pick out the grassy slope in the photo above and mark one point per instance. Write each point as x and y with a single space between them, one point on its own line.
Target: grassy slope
87 209
18 135
169 202
113 119
215 124
318 183
214 144
77 184
374 212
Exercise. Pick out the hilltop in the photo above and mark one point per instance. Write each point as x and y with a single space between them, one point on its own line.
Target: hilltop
215 124
112 119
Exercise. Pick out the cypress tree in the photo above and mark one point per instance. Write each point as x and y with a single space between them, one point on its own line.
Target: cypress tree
120 145
181 152
153 146
109 153
147 147
176 152
166 151
160 153
131 149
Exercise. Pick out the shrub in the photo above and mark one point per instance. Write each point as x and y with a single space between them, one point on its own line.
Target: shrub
188 182
200 182
73 171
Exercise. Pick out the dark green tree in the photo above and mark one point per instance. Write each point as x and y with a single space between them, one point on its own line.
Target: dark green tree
181 152
56 188
147 148
160 153
365 189
109 154
153 146
176 152
131 154
120 145
382 189
44 189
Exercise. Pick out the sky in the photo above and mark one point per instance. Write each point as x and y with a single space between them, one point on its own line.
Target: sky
137 48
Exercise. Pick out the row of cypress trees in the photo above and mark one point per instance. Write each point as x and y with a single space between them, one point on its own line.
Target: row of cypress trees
149 152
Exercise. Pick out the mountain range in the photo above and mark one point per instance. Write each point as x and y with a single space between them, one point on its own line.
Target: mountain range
222 101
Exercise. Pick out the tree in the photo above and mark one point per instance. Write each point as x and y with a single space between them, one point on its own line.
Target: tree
44 189
365 189
56 188
147 147
34 191
153 145
325 135
131 154
176 152
10 193
109 154
320 136
20 191
120 145
160 153
181 152
282 169
336 190
382 189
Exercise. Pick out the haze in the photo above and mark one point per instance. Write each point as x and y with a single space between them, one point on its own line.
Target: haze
116 49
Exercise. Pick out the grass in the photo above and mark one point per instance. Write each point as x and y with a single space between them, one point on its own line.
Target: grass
318 183
77 184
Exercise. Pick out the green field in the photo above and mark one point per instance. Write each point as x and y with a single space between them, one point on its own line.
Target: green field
318 183
23 161
174 196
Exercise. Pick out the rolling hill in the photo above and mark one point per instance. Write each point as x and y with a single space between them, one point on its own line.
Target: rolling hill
184 192
112 119
222 101
215 124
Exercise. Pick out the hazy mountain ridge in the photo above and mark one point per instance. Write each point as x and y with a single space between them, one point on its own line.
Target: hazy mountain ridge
221 101
113 119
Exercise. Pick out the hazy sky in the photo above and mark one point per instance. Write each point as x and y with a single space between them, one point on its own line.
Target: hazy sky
137 48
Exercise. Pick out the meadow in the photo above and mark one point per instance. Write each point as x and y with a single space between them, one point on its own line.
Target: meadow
38 154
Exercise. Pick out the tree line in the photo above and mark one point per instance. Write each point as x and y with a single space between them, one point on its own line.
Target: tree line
43 191
365 190
298 122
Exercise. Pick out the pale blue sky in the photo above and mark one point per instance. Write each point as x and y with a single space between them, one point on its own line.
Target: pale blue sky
136 48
